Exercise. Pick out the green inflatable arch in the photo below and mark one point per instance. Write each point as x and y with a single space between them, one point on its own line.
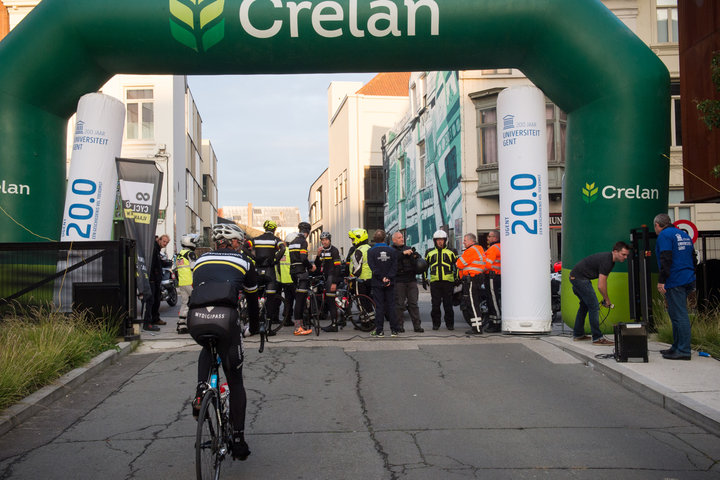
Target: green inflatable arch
615 90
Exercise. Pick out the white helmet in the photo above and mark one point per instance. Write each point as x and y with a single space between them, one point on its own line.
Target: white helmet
190 240
440 234
227 231
290 237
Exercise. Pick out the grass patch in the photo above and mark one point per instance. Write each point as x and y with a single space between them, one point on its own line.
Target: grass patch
39 345
704 326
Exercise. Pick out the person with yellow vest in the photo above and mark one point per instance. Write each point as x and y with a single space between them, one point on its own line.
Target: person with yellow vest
492 282
470 269
185 261
443 273
360 268
285 281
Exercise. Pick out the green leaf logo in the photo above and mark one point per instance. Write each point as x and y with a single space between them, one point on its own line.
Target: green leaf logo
590 192
197 24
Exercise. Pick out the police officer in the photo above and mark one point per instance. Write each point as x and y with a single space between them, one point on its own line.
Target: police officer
300 267
266 250
470 269
441 265
185 261
328 261
492 282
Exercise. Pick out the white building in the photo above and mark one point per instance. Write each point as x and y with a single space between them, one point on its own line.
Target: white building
358 116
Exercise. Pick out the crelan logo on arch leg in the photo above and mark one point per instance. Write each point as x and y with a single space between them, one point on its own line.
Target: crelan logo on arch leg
197 24
612 192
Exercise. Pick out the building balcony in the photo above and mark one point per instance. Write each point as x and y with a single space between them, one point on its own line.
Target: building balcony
488 185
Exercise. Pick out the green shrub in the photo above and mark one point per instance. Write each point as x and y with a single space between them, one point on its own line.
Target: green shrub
705 328
38 345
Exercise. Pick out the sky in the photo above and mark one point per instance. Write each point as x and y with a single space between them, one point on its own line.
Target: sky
269 133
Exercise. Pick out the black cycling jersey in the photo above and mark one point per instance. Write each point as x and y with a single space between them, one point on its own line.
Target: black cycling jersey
299 262
328 262
265 247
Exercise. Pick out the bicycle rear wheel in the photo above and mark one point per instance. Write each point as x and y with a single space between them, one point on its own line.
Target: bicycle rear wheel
315 305
362 313
208 439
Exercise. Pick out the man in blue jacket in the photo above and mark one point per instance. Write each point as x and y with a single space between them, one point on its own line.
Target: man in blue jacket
382 260
676 261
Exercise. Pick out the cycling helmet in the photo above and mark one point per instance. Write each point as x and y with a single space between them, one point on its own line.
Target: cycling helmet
227 231
290 237
304 227
190 240
358 236
269 226
440 234
325 235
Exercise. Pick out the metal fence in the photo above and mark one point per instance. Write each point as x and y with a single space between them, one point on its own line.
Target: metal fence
95 276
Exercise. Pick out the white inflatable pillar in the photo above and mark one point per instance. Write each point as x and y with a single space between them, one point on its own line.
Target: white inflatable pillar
524 215
92 180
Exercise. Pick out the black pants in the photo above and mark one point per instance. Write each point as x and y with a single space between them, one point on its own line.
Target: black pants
266 276
384 298
231 354
152 305
288 293
492 290
302 285
441 292
472 297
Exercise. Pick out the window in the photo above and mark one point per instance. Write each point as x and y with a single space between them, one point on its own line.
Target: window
318 201
487 135
401 178
667 21
421 164
375 184
140 114
675 120
337 196
205 188
374 216
556 133
344 184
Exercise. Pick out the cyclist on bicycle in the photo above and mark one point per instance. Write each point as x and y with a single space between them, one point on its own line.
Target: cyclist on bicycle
267 250
299 268
328 261
218 277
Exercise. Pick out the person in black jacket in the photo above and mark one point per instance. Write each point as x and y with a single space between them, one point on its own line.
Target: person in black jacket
151 318
267 253
300 267
328 261
406 287
383 260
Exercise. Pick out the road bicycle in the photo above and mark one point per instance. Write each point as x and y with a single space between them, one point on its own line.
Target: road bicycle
314 314
354 306
213 439
267 327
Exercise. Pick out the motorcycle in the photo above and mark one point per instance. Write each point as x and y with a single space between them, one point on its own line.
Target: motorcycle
168 284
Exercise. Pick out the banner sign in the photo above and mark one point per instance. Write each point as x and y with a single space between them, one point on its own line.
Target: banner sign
92 180
140 189
524 210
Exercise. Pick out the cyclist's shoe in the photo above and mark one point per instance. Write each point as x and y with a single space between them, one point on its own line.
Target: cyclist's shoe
151 328
377 334
393 333
270 333
240 449
182 327
197 399
342 323
302 331
330 328
288 323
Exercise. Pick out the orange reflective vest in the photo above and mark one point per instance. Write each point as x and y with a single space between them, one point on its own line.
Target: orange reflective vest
472 261
492 258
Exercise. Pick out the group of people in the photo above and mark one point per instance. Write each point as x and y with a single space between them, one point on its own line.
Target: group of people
676 260
389 273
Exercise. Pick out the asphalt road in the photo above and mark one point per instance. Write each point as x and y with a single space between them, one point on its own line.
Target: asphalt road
432 406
